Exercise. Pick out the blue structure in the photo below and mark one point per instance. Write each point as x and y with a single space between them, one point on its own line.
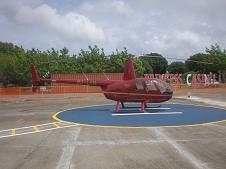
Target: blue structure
154 116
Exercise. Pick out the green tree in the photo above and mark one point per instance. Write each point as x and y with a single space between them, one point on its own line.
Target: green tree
214 60
16 63
9 57
155 62
218 57
92 60
117 60
7 52
147 66
177 67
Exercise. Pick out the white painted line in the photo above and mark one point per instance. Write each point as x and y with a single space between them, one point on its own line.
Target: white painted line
150 108
30 126
68 150
156 108
39 131
133 114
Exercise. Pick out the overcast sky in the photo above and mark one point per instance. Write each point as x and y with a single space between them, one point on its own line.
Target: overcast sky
175 28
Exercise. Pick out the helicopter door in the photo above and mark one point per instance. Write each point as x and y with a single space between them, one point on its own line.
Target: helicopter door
139 85
160 85
150 86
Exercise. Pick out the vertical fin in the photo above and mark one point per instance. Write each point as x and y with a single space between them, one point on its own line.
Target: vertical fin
34 73
35 78
129 72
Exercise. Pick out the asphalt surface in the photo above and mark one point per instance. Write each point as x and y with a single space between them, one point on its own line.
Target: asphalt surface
45 144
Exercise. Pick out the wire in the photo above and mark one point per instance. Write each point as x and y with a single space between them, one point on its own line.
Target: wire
189 60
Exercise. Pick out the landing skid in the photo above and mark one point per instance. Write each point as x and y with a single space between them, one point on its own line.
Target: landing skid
155 106
143 106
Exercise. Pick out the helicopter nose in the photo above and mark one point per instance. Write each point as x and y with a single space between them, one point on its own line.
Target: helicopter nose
164 87
168 92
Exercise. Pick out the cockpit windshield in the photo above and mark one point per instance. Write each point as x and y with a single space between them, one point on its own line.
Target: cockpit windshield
163 86
154 85
150 86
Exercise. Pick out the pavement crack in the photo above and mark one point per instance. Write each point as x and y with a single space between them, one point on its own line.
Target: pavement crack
68 151
197 163
28 155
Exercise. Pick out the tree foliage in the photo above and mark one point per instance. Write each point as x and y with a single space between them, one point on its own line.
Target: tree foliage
213 60
117 59
177 67
15 62
154 63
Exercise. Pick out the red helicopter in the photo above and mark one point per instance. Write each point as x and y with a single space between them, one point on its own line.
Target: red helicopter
130 89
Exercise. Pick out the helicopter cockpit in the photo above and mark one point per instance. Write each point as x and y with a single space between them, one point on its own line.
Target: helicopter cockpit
154 85
163 87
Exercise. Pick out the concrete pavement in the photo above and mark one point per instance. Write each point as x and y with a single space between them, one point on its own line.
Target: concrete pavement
94 148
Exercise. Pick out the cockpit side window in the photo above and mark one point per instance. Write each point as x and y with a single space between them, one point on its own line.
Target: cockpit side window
139 85
150 86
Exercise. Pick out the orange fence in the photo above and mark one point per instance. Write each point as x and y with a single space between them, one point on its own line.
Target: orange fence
50 90
10 91
65 88
68 88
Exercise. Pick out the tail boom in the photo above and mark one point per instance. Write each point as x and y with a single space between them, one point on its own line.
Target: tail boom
37 81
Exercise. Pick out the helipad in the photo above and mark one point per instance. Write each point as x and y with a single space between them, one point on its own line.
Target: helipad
164 115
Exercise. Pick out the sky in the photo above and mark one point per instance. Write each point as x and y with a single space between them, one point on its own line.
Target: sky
175 28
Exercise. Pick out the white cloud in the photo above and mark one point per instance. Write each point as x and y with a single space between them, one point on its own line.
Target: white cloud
72 25
121 7
87 6
188 37
174 28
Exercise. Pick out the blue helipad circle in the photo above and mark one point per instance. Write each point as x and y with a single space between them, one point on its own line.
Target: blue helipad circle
154 115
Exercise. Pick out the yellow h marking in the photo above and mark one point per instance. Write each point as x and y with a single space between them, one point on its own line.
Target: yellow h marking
56 125
13 132
36 129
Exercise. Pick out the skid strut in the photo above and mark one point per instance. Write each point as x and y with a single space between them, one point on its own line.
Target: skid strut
117 106
123 106
143 105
